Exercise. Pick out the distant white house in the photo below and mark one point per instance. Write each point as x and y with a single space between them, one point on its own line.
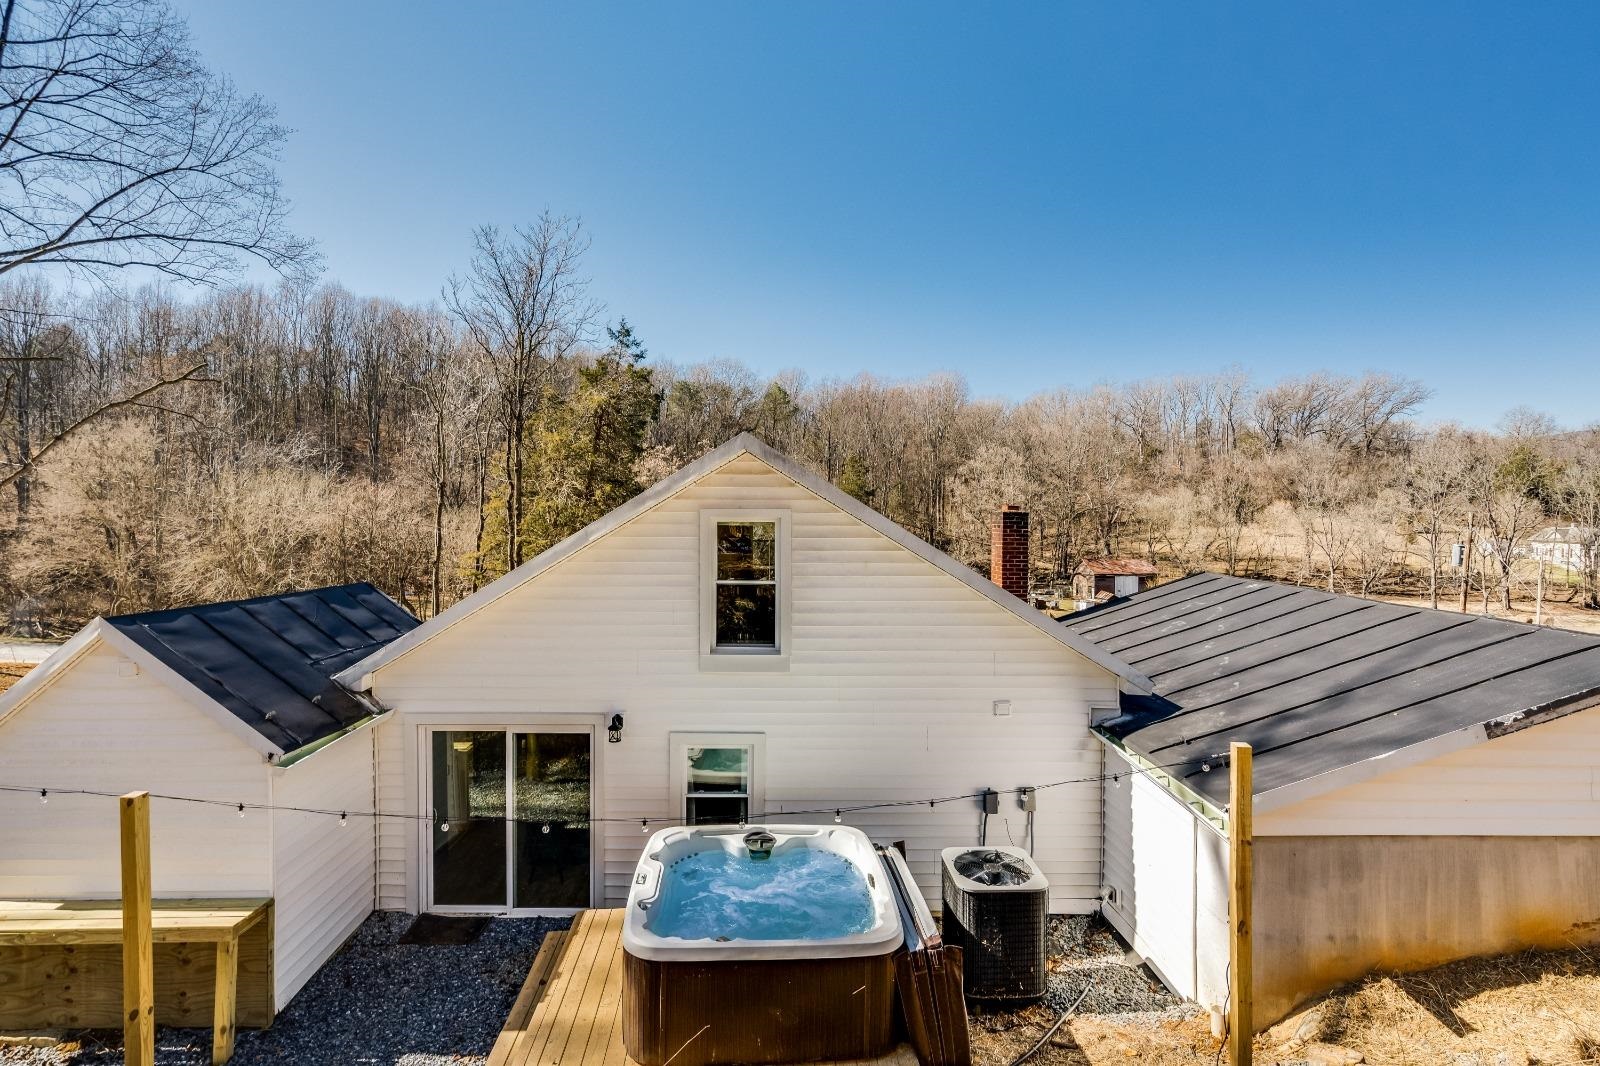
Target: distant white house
1572 547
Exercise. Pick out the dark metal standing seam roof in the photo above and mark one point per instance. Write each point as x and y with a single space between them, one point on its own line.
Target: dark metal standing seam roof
1315 681
271 660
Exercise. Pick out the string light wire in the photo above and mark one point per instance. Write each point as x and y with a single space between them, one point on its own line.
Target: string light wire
443 823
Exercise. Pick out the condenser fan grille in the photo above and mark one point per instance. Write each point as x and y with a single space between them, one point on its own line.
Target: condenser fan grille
991 868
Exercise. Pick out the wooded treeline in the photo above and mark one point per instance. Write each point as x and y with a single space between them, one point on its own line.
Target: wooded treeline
305 435
158 450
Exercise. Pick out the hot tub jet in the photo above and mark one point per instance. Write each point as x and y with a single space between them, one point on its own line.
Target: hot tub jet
759 842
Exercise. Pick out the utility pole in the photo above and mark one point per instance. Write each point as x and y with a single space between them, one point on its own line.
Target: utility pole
1538 600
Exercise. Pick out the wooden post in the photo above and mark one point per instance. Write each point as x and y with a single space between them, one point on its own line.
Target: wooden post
1241 985
226 1002
138 963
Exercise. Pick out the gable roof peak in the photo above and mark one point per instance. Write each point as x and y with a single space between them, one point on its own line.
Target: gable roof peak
359 675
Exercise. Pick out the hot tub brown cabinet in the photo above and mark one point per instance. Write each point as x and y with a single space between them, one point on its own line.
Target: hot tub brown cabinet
757 1011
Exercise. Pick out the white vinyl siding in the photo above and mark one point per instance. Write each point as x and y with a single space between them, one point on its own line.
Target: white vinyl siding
324 872
1169 870
106 726
395 835
894 667
1543 780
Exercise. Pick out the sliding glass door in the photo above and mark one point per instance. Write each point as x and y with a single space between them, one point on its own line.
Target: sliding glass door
511 827
550 826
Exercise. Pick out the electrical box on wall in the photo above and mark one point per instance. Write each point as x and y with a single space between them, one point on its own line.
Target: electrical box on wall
1002 708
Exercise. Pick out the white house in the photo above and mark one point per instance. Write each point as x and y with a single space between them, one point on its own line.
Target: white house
771 645
1570 547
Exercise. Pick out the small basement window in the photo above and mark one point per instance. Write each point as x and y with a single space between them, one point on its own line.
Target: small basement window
744 608
716 777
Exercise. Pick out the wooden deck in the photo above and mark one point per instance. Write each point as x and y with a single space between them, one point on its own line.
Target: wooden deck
569 1012
61 964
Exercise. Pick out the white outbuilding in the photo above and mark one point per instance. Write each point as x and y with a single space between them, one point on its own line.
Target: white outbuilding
231 703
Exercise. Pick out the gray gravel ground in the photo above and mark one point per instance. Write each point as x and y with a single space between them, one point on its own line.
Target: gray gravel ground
376 1002
1084 951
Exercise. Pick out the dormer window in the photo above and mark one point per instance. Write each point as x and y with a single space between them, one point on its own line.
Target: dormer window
744 594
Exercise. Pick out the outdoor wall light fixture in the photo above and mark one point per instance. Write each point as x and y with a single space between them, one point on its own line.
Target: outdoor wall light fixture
614 730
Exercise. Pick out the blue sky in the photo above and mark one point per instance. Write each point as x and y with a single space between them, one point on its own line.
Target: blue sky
1031 196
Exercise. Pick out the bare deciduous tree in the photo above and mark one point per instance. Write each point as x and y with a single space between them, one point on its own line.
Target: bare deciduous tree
1436 478
525 306
118 148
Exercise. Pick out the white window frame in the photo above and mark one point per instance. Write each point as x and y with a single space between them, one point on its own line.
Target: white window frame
678 748
711 656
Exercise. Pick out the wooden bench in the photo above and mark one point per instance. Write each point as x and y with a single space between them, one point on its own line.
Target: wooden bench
60 965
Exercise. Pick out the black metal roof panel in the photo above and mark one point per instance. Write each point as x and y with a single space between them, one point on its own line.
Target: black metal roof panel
271 660
1315 681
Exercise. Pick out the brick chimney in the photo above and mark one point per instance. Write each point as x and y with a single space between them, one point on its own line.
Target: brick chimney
1008 550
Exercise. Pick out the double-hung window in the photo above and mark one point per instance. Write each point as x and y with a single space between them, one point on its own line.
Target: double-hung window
716 776
747 585
744 608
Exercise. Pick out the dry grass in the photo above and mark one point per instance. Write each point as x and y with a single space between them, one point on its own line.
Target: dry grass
1534 1007
1098 1041
11 673
1537 1007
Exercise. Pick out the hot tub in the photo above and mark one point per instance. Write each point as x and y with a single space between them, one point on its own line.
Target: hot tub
759 944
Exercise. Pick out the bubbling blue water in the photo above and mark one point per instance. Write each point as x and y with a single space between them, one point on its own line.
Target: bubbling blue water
798 894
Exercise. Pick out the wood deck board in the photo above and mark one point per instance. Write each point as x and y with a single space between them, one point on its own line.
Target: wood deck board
569 1012
528 997
568 968
36 922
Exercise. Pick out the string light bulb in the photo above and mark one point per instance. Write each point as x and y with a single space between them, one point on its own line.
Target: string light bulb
644 825
241 810
1205 767
1116 781
44 796
545 828
344 819
838 816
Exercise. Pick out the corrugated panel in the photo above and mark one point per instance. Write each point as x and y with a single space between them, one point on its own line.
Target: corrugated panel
270 661
1316 682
